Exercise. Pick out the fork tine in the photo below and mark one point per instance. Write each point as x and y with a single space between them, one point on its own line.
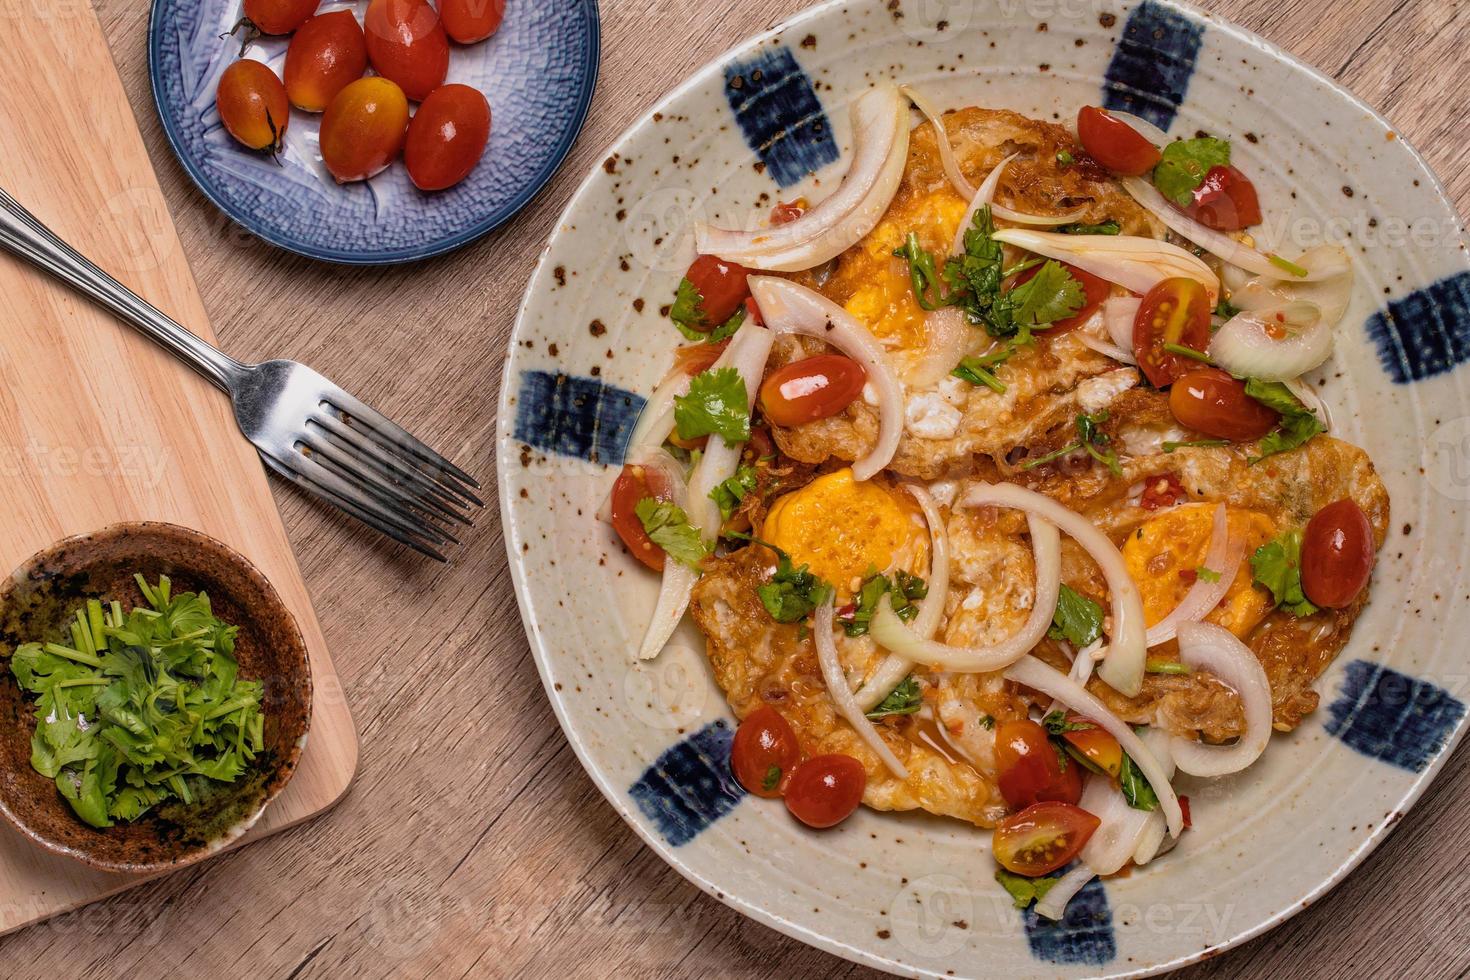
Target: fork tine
386 511
397 435
391 467
351 509
367 478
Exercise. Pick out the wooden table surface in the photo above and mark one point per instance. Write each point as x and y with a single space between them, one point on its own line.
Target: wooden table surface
472 842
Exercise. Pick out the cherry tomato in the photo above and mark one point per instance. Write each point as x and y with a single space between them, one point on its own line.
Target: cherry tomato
1176 311
1161 491
722 289
447 137
406 43
1211 401
765 752
363 128
253 106
1226 201
1115 144
1094 290
1095 745
825 789
279 16
468 21
694 358
753 312
1184 810
1337 554
327 54
1042 838
636 483
1031 768
815 388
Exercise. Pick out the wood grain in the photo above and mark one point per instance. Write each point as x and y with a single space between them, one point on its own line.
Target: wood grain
97 425
472 843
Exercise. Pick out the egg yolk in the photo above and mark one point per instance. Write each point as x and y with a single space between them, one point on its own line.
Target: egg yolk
1165 554
842 529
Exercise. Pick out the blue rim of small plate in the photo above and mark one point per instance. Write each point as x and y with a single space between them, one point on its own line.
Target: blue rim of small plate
593 65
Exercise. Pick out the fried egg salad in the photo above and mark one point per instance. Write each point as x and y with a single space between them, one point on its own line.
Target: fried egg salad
992 482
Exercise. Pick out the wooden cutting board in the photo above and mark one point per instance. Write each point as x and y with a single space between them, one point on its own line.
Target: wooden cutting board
96 424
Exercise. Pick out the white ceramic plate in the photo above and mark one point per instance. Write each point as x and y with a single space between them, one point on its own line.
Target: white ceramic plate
914 894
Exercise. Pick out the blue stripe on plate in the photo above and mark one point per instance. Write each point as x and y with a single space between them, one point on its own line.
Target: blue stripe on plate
1426 332
690 786
780 114
1084 934
573 416
1152 63
1393 717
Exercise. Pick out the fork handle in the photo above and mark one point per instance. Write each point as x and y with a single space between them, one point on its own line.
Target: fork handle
24 235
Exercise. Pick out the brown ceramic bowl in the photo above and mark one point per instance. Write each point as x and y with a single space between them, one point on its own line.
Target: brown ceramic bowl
43 594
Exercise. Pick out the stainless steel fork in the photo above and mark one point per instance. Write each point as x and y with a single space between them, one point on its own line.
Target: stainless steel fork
306 428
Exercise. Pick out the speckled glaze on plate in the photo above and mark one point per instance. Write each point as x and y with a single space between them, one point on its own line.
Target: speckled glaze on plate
909 893
37 602
538 72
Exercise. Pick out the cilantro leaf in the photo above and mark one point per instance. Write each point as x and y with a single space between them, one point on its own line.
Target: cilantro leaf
1109 227
792 593
905 699
728 494
980 370
1056 723
771 779
1052 294
668 527
1298 424
1078 619
727 329
1207 574
1096 441
1277 565
717 403
1135 786
1023 890
928 291
1183 165
903 590
975 277
688 311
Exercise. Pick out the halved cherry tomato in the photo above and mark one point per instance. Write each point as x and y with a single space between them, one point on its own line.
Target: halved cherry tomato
815 388
722 289
634 484
279 16
1337 554
694 358
253 106
765 752
1211 401
1161 491
406 43
1042 838
363 129
327 54
1095 745
1031 768
1226 201
1115 144
1176 311
1094 290
825 790
447 137
468 21
753 312
784 213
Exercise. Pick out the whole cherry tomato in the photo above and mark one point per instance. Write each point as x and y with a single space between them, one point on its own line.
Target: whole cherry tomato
815 388
1031 769
1337 554
1175 312
722 289
279 16
468 21
826 789
634 484
1042 838
1095 745
1094 291
765 752
406 43
326 54
1115 144
363 129
447 137
1211 401
253 106
1226 201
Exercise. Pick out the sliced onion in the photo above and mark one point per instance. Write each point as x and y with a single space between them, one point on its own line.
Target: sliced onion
1040 220
841 693
1121 828
985 195
788 308
947 156
1146 129
747 354
1127 647
1206 646
948 338
1106 348
1151 839
1119 314
1054 904
1036 675
673 600
1133 262
1309 398
1330 286
880 126
892 633
1220 558
1245 347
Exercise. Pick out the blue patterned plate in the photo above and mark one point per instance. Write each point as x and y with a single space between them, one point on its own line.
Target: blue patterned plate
906 893
538 72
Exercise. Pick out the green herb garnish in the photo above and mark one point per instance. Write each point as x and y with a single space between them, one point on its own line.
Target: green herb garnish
669 527
1056 723
728 494
928 290
1153 666
980 370
1189 352
905 699
1109 227
771 779
1089 437
1170 446
1277 565
1078 619
902 591
1287 265
1183 165
1136 789
792 593
1023 890
717 403
1298 424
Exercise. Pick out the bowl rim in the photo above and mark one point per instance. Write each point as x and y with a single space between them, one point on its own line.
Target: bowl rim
287 768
